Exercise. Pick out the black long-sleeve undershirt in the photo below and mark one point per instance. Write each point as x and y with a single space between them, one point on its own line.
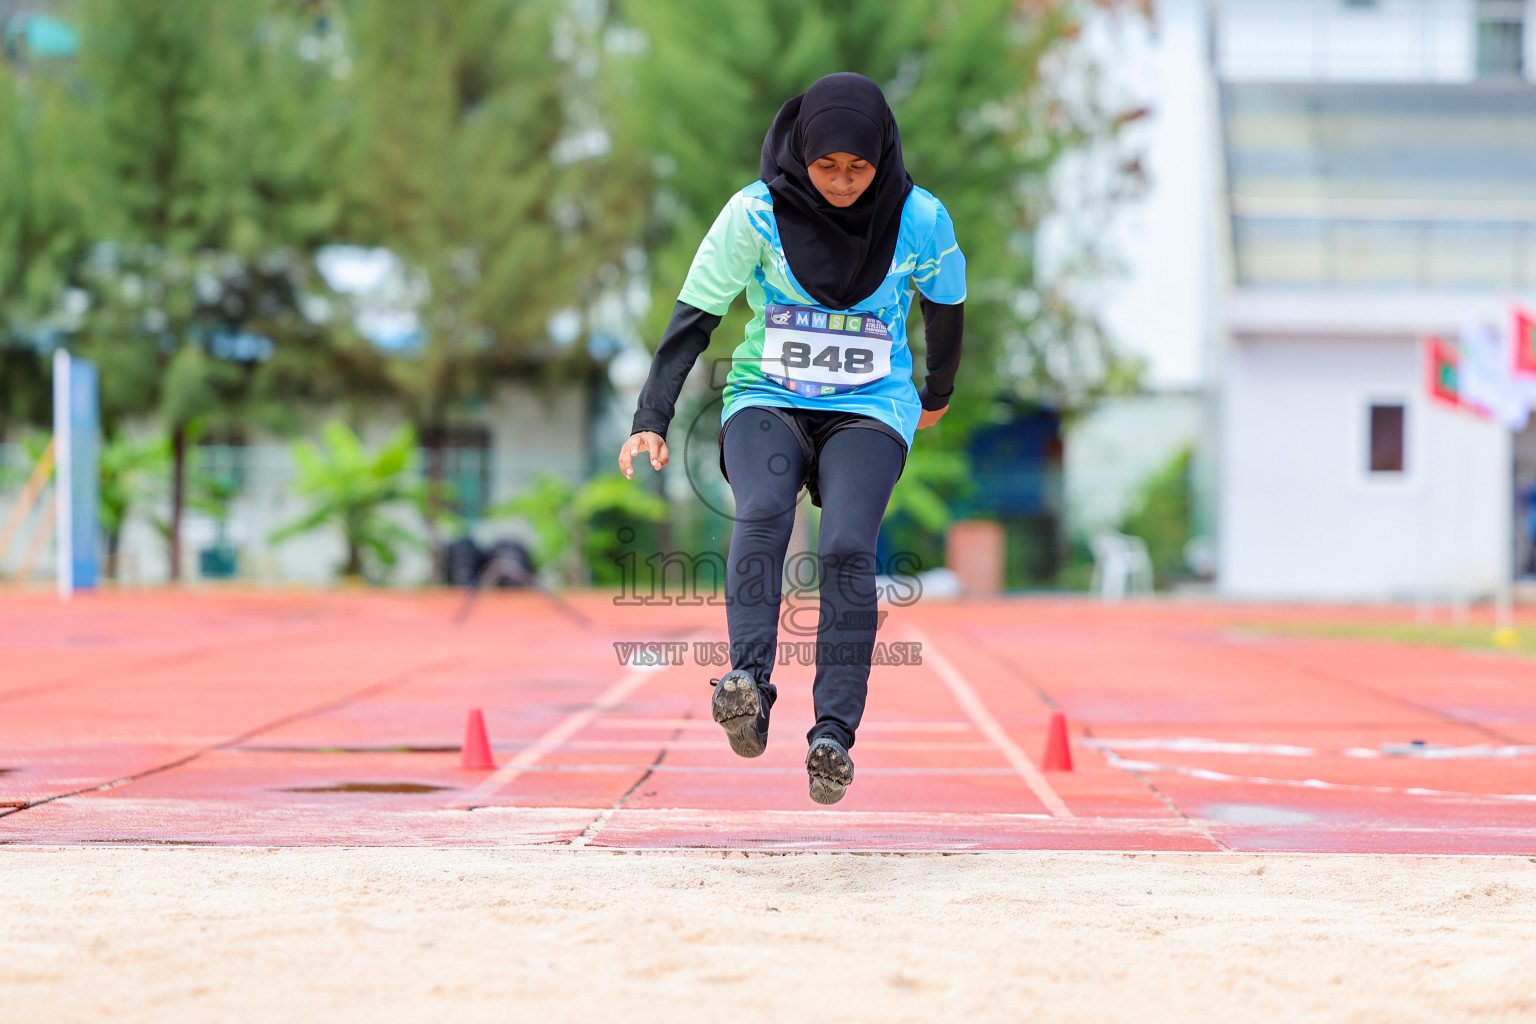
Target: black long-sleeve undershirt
943 329
684 340
687 336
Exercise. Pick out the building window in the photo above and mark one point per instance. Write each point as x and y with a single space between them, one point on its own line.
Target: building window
460 458
1500 38
1388 438
222 462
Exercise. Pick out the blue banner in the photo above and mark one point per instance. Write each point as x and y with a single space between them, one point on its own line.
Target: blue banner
77 454
85 470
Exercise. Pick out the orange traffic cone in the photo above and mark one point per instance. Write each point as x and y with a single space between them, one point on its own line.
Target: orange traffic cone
476 752
1058 748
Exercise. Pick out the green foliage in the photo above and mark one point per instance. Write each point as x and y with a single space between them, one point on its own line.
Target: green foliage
204 178
38 236
1031 557
356 491
1161 516
459 111
221 134
917 493
922 503
212 493
1076 572
32 445
132 472
568 519
545 507
606 506
610 492
135 472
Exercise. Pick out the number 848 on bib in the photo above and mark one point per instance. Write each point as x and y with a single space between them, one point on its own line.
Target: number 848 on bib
816 352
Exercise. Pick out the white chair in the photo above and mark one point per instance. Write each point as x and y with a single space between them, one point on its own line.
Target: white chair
1121 565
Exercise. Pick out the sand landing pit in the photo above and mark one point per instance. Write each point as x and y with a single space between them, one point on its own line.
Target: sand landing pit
174 934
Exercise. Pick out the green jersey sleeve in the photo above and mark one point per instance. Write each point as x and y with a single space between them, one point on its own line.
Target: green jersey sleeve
729 254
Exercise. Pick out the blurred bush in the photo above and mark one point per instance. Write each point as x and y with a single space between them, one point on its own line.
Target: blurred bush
579 527
359 493
1161 516
133 472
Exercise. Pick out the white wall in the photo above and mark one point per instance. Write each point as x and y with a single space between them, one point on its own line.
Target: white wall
1154 298
1328 40
1300 516
1524 456
532 429
1108 454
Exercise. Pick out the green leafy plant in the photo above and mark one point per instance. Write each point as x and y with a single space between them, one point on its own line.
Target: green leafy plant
923 503
212 494
212 490
1161 517
31 448
132 471
570 520
917 493
355 491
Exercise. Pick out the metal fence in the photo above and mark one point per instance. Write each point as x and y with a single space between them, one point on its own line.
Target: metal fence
257 484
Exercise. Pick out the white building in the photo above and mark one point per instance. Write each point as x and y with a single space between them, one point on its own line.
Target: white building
1157 305
1376 185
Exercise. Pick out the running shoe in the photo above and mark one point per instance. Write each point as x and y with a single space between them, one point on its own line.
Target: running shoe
739 707
830 769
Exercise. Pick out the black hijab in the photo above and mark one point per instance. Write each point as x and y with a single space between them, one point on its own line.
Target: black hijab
840 254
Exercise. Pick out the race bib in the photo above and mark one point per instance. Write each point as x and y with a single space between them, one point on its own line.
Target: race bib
813 352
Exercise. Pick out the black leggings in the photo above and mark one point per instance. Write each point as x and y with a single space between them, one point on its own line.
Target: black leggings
856 469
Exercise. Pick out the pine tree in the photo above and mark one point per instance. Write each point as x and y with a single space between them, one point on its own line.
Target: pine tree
207 154
38 240
476 154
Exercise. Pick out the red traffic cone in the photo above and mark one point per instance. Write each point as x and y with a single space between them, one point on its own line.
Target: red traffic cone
1058 748
476 752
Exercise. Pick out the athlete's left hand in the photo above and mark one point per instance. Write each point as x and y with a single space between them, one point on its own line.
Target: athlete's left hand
930 417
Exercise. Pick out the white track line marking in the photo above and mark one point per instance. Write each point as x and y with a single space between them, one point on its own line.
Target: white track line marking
1401 751
710 726
574 722
714 744
1258 780
966 697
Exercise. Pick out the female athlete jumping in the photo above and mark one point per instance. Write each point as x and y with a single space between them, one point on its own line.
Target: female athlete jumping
828 244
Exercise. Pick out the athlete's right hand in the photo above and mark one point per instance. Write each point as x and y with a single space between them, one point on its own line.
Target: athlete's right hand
645 440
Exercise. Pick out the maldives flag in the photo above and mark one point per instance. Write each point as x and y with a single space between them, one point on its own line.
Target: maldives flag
1444 364
1524 363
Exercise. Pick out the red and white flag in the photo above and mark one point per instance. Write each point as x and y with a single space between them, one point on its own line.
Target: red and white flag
1485 382
1523 345
1442 361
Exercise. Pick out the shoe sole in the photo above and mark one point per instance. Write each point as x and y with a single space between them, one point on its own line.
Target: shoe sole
735 706
831 772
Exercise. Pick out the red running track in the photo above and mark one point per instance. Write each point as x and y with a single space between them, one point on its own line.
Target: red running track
305 719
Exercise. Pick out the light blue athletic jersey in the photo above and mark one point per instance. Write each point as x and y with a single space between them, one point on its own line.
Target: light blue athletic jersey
743 250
